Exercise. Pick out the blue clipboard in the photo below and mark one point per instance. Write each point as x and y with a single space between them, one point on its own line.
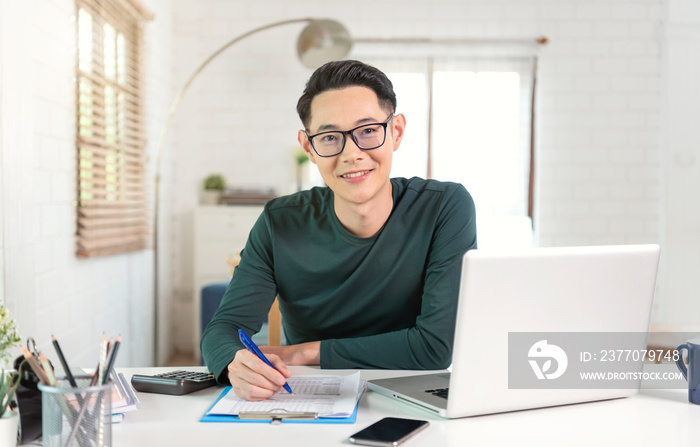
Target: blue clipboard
234 418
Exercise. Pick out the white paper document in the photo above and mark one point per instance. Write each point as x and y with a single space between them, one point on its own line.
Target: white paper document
328 396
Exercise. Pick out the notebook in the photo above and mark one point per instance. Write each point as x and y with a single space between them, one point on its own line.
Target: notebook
544 294
328 399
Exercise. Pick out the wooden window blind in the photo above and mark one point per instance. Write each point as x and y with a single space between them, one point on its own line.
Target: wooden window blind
112 206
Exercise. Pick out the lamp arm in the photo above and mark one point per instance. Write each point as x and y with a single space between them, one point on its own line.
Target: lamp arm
161 145
178 97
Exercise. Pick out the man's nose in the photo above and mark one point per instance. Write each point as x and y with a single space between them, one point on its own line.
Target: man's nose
351 151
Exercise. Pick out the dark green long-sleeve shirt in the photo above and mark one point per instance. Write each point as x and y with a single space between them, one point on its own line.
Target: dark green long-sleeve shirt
387 301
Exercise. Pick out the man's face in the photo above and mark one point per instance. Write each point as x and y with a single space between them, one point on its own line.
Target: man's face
356 176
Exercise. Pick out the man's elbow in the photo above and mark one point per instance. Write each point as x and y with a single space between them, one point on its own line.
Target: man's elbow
437 359
442 363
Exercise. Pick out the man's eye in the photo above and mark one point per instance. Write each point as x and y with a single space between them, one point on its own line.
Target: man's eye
329 138
365 131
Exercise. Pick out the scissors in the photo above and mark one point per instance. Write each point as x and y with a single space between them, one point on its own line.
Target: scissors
28 374
31 347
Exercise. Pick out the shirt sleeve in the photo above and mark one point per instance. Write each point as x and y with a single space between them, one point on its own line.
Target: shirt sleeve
245 304
428 344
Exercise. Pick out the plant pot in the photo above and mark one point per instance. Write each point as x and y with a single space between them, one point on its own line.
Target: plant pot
210 197
9 424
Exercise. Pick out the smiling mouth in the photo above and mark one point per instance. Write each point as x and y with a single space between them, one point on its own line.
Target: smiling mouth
355 174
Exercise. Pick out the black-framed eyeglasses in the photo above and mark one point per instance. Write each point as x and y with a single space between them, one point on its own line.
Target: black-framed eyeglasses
366 137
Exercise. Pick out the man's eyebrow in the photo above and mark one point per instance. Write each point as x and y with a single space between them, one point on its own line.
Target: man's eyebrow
325 127
359 122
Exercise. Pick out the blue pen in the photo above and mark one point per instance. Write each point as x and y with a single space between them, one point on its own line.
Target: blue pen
249 345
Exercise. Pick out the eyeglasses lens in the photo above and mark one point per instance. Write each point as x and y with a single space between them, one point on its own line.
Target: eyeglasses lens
366 137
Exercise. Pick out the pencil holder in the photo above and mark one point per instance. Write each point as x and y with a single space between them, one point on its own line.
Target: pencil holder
76 417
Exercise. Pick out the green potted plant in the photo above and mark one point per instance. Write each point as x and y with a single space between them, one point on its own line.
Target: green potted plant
214 185
301 158
9 419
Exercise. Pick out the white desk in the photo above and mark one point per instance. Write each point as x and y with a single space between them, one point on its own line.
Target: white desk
650 418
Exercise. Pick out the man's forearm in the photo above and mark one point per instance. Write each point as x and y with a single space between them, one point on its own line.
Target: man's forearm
302 354
411 348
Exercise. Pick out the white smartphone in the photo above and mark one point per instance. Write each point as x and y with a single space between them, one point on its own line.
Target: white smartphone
388 432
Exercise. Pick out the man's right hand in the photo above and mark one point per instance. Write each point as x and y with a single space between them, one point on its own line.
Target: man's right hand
252 379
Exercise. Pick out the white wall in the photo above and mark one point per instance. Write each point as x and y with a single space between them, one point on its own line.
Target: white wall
601 149
599 123
680 162
47 289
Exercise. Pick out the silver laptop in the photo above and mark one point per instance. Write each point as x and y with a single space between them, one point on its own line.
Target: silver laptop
533 291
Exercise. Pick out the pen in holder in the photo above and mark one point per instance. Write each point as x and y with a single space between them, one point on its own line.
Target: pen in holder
76 416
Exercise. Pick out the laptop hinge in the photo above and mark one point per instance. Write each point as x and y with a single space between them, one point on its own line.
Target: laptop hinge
417 403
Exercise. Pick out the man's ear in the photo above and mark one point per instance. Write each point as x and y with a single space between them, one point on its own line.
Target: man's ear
398 123
306 145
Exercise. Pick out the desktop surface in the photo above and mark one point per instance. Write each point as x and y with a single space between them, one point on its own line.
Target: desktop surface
651 417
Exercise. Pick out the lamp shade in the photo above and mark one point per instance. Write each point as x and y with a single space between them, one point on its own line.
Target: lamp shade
323 41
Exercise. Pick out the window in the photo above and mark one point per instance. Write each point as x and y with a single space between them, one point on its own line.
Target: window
112 213
469 120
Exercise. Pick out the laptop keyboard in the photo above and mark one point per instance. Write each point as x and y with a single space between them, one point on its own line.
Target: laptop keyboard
439 392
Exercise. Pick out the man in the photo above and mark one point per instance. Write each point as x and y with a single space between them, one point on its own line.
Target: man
366 269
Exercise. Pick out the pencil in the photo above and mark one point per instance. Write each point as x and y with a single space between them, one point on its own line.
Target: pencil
112 359
93 380
48 369
103 357
34 363
108 352
64 364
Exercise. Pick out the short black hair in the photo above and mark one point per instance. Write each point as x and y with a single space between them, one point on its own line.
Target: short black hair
341 74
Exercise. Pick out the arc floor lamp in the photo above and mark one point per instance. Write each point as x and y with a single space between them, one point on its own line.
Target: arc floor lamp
321 41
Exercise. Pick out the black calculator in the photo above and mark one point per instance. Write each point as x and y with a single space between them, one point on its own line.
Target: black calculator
173 382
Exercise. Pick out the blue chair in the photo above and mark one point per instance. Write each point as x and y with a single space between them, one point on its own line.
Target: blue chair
211 296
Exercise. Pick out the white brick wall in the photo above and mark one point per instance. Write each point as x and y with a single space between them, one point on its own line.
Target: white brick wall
599 102
680 157
48 290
